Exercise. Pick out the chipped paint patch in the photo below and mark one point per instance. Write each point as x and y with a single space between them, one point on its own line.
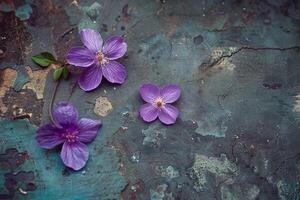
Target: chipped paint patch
218 52
38 81
23 12
297 103
159 192
90 17
288 191
225 64
213 124
103 106
221 168
153 135
7 79
22 105
238 191
220 59
168 172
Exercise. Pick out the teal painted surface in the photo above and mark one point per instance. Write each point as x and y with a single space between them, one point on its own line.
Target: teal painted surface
99 180
23 12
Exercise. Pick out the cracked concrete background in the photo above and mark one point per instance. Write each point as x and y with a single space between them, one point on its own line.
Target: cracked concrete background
237 136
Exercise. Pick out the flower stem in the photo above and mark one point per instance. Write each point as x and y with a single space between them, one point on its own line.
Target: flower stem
52 101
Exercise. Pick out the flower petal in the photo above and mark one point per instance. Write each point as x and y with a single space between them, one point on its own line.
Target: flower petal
91 39
114 47
114 72
149 92
48 136
168 114
170 93
65 113
80 56
148 112
74 155
88 129
90 78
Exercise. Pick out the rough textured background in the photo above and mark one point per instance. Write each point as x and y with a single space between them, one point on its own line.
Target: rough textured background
238 133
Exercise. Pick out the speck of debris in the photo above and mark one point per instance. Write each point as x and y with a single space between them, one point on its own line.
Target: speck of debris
136 157
22 191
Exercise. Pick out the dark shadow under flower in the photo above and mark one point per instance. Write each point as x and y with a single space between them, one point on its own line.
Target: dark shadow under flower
158 103
70 132
98 59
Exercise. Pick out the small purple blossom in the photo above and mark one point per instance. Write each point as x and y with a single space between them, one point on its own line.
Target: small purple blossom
70 132
98 59
158 103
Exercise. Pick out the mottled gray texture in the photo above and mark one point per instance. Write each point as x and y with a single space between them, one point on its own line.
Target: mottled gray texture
237 63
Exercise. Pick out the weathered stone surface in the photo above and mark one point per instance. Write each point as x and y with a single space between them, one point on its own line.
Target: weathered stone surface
237 63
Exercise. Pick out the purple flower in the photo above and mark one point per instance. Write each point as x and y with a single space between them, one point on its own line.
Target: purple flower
98 59
158 103
72 133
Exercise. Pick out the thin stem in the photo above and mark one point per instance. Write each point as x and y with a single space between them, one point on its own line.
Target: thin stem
52 101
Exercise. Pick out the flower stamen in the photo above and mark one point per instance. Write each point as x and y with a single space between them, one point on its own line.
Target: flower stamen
101 58
71 136
159 102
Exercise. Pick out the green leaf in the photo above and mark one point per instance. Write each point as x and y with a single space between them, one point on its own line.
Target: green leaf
57 73
65 72
44 59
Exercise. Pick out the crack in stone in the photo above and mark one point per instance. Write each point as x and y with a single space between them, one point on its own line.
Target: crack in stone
217 61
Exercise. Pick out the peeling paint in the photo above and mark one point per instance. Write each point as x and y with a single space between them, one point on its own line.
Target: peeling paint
225 64
288 191
218 52
221 168
23 104
168 172
220 59
103 106
153 135
159 192
91 14
213 124
238 191
297 103
7 80
38 81
23 12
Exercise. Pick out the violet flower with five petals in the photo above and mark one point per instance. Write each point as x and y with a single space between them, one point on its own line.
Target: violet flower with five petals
158 103
72 133
98 59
